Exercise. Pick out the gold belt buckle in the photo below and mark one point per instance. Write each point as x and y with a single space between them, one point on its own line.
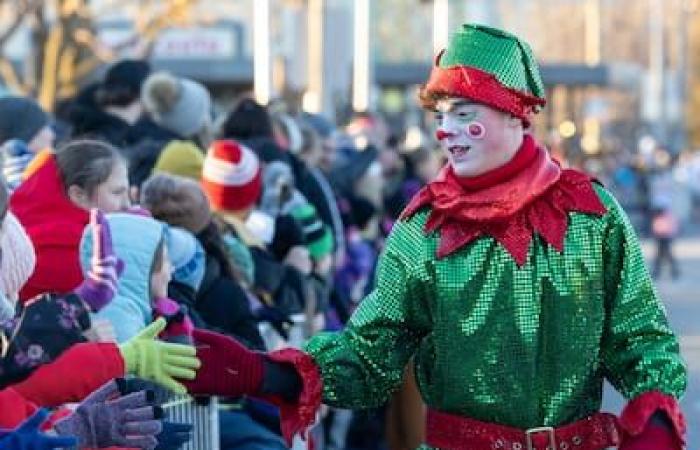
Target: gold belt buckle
533 431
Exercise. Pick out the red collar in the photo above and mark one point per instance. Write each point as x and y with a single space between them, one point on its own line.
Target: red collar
524 157
530 194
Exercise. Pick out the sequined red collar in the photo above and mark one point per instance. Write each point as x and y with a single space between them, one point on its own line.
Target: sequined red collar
531 194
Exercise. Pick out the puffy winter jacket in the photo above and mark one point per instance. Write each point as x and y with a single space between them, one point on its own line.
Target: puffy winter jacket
55 225
135 239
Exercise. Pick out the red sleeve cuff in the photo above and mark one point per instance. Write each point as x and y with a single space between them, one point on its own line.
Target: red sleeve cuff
298 417
639 410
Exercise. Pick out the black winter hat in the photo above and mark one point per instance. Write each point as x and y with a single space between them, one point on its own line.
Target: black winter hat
127 73
246 121
123 81
20 118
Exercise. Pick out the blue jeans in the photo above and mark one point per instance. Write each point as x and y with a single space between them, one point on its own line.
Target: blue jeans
238 431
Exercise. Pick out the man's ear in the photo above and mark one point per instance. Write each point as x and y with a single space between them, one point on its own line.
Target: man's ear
78 196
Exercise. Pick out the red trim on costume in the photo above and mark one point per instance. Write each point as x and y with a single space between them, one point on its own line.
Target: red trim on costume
299 416
482 87
527 195
639 410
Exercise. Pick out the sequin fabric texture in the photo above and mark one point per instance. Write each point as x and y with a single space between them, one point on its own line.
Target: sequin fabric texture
497 52
519 346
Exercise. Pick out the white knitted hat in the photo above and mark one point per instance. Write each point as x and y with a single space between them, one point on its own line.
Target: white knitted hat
18 257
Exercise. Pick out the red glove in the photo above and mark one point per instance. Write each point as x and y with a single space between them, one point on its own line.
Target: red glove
228 368
655 436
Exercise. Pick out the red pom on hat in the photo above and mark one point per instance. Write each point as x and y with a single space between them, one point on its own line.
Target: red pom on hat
231 176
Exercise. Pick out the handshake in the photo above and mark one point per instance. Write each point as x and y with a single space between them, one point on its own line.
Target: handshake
214 365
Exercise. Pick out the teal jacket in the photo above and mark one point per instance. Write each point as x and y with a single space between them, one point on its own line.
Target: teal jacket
135 240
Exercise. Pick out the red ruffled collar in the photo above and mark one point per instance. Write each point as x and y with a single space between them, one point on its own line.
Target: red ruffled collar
530 194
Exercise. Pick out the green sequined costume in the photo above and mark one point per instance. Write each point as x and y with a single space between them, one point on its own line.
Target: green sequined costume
519 346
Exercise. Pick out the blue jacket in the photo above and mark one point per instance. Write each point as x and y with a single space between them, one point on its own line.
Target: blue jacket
135 240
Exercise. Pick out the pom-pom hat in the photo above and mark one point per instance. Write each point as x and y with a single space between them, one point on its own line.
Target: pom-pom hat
231 176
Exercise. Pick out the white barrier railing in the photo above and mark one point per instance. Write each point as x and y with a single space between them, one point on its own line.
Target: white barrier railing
204 419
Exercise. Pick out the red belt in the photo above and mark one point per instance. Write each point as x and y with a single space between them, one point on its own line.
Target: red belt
451 432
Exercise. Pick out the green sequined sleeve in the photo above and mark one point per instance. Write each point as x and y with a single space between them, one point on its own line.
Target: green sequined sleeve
639 351
364 363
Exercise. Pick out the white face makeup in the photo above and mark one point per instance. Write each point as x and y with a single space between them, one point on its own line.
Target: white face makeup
474 137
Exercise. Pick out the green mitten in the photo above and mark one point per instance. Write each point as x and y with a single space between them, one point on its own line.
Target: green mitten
160 362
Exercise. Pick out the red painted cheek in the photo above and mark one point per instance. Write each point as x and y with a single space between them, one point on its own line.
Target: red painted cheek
475 130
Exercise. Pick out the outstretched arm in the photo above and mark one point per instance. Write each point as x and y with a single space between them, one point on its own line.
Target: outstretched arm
640 353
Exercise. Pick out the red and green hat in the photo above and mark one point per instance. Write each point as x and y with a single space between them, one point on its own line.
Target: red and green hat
488 66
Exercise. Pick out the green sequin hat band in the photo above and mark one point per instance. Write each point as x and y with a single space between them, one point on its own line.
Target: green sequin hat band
489 66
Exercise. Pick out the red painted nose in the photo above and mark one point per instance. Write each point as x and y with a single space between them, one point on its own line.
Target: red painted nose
441 134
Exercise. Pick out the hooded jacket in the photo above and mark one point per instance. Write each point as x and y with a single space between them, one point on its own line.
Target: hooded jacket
135 240
54 224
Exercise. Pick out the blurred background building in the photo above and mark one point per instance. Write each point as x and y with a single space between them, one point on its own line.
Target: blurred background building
620 75
622 80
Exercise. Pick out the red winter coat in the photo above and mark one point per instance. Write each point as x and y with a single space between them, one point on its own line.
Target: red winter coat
14 408
72 376
55 226
76 373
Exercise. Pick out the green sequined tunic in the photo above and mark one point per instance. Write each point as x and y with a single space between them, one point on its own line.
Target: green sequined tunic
520 346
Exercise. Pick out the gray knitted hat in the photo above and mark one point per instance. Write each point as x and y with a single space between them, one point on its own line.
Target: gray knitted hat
181 105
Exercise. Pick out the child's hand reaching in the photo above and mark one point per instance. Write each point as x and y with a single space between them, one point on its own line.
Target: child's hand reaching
100 283
161 362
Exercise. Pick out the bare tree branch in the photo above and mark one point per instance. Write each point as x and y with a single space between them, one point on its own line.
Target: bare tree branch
9 76
26 7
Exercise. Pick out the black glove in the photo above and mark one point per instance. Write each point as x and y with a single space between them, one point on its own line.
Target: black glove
174 435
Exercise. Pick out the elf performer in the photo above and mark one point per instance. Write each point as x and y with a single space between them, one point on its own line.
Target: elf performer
517 285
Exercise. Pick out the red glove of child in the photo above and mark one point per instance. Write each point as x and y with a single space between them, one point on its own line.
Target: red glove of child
228 368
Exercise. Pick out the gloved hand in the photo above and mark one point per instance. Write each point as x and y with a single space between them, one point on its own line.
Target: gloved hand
657 435
28 436
157 361
174 435
105 418
100 283
228 368
180 326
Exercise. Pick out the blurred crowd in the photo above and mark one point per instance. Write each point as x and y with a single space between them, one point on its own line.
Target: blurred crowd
255 222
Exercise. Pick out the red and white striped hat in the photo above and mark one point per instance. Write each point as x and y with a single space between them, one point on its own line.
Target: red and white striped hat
231 176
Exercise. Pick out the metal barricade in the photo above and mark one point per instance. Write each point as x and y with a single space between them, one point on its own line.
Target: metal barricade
204 419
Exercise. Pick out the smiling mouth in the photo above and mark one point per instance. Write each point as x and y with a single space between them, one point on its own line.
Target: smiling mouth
459 150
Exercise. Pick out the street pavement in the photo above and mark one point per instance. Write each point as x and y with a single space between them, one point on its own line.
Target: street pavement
682 301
